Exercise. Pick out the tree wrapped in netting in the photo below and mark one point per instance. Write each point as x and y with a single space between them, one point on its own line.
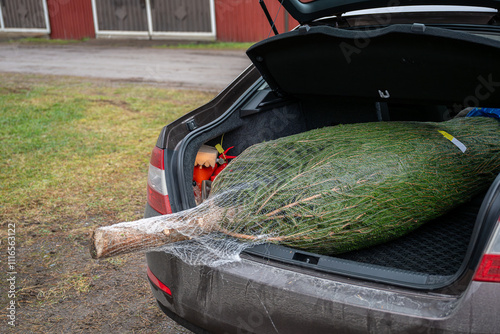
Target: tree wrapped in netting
329 190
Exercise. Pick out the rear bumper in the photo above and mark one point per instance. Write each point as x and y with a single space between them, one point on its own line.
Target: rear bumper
254 297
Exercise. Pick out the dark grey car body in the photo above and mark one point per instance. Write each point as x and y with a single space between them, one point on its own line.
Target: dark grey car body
255 297
328 72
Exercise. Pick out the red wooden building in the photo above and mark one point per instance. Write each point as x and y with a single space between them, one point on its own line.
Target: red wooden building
224 20
244 20
71 19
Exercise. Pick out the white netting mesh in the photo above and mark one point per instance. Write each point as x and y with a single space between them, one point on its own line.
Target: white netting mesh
328 191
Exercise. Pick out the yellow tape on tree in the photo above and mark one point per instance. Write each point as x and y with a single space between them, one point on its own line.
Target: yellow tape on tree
454 141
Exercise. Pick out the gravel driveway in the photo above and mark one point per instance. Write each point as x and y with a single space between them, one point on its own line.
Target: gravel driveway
210 70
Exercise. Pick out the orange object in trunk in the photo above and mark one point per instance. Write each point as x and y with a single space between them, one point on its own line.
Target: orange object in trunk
201 173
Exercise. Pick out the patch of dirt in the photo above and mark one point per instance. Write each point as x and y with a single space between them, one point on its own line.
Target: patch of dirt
14 90
120 104
60 289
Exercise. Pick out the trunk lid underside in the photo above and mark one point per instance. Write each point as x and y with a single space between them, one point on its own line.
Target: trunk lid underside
307 11
397 63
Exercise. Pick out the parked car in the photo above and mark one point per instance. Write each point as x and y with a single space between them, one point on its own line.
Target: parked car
347 62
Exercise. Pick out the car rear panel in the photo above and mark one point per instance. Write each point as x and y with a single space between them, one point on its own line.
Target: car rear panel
271 295
266 296
254 297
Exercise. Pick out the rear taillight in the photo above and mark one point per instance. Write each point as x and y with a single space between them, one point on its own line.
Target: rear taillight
157 185
489 268
156 282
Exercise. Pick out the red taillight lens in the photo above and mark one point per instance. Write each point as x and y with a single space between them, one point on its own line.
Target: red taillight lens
158 201
158 283
157 184
489 269
157 158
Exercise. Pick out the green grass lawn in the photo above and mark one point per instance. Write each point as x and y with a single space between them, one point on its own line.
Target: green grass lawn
40 40
215 45
74 154
79 150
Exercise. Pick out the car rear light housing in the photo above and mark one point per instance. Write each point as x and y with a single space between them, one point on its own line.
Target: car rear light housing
159 284
489 268
157 185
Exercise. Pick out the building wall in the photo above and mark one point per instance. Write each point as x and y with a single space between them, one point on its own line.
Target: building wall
244 20
71 19
236 20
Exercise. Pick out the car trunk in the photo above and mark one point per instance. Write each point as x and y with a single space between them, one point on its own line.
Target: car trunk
321 76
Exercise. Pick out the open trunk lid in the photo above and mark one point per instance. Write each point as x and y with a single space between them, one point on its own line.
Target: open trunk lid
410 63
306 11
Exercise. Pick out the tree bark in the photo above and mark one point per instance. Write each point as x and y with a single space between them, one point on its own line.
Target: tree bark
110 242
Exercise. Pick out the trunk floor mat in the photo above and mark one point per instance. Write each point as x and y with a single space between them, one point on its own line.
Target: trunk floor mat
436 248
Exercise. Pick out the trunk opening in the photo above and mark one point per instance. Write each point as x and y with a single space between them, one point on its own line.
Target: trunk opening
441 255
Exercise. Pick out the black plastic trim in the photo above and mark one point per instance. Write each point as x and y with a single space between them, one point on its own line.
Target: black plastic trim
172 184
341 266
488 216
264 100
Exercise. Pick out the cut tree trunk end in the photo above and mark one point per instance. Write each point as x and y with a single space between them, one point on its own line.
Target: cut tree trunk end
106 242
117 239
